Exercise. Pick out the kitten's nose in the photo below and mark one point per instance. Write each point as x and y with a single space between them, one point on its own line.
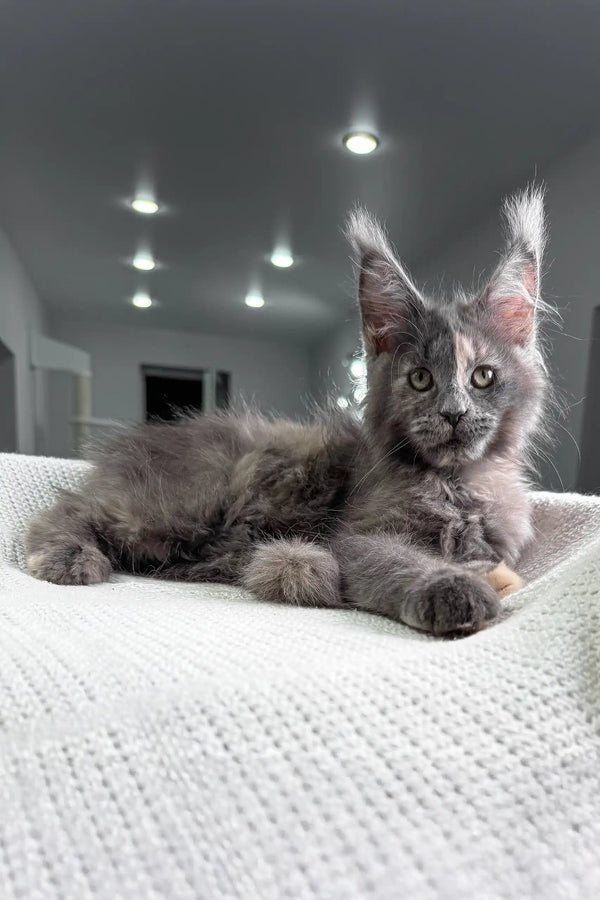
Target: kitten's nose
452 417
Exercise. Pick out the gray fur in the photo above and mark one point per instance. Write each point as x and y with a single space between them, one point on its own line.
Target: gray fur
400 514
293 570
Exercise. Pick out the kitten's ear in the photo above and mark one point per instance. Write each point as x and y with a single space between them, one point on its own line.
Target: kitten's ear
388 299
511 298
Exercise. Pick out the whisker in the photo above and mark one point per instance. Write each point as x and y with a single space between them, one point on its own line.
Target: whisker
549 461
566 430
392 365
576 403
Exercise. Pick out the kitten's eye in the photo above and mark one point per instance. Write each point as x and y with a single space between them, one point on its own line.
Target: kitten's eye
421 379
482 377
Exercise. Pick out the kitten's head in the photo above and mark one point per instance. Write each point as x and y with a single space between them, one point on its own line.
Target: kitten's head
453 380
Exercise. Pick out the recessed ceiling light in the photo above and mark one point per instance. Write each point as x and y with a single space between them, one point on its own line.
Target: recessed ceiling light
283 259
361 142
255 300
358 368
144 261
359 395
145 205
142 300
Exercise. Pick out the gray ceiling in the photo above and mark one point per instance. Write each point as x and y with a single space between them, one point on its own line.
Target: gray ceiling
238 109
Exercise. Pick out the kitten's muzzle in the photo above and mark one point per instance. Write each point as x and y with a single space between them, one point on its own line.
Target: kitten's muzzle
452 417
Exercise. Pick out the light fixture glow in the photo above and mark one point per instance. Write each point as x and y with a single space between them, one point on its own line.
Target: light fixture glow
361 142
358 368
142 300
145 205
282 259
359 394
255 300
144 261
342 402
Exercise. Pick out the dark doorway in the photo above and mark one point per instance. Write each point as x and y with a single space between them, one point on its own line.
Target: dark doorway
8 405
169 392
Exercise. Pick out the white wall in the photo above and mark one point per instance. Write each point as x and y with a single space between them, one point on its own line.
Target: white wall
20 313
273 376
572 280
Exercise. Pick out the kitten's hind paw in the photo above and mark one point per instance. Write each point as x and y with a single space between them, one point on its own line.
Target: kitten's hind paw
455 602
70 565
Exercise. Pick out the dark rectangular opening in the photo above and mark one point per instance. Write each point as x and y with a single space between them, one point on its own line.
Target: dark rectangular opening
170 392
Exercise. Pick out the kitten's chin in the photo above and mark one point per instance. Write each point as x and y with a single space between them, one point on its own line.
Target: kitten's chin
454 453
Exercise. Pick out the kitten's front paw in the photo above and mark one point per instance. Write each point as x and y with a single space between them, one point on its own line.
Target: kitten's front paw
72 565
455 602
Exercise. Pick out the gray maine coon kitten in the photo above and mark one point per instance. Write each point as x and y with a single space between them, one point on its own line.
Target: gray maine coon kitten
401 514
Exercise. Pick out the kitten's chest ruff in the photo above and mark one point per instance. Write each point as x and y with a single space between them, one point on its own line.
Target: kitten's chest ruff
437 501
462 532
456 498
439 513
485 519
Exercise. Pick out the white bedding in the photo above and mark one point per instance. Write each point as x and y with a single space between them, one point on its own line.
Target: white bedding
169 740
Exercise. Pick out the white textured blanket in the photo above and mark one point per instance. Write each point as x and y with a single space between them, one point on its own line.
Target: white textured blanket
180 741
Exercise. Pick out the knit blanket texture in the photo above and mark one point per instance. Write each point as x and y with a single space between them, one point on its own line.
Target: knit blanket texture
167 740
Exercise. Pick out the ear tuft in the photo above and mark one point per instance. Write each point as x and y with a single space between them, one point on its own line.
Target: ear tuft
388 299
367 236
513 293
525 220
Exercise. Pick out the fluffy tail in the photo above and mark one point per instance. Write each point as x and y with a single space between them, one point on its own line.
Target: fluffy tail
294 571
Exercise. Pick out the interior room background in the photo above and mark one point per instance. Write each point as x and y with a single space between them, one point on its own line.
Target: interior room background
230 118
